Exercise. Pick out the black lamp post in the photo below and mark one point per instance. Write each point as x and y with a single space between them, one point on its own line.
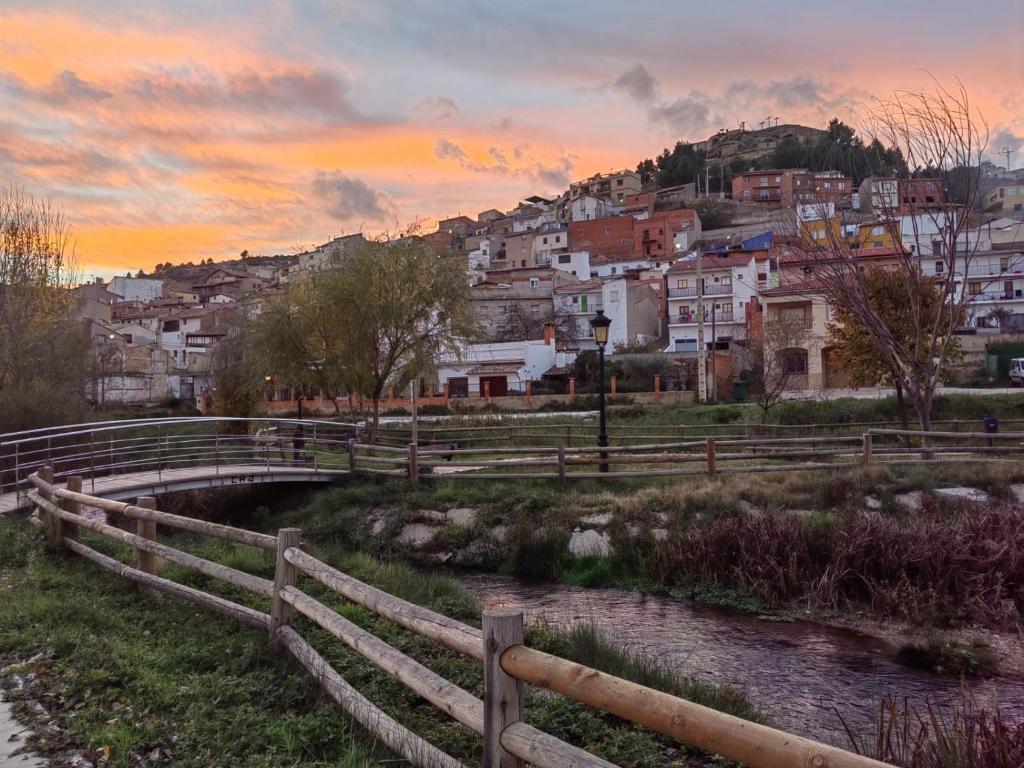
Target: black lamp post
600 325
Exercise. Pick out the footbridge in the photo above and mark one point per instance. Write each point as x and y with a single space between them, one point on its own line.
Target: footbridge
148 457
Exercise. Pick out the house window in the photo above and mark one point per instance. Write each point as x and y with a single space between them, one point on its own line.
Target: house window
614 270
936 247
534 282
974 287
624 241
1004 263
939 267
618 182
564 258
794 362
545 241
877 230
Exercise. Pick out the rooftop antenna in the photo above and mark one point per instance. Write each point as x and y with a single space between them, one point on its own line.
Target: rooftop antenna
1006 152
769 121
761 123
743 125
776 120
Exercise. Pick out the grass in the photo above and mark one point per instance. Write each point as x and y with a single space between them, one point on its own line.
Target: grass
584 642
971 736
128 677
123 676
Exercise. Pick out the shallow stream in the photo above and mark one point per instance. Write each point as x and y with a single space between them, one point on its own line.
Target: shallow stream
803 675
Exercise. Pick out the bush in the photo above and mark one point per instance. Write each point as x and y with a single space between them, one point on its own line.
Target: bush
960 567
539 554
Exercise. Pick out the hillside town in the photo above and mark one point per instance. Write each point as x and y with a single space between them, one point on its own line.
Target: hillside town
620 244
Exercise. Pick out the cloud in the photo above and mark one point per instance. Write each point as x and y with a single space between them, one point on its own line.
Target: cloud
498 154
345 198
66 89
558 175
550 173
695 114
687 115
445 149
314 92
436 108
638 83
1004 138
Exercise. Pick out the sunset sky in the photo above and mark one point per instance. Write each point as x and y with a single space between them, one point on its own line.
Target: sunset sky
183 130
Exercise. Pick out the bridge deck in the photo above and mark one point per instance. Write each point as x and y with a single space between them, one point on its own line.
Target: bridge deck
153 483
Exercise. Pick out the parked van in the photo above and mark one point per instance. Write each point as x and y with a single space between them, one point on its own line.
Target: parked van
1017 371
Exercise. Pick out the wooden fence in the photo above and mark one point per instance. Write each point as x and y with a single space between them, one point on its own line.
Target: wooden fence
556 431
509 742
700 456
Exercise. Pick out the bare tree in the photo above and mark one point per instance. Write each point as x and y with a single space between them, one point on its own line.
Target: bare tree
935 131
43 360
776 361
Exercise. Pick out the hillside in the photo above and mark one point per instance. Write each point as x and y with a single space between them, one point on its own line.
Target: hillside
190 274
753 145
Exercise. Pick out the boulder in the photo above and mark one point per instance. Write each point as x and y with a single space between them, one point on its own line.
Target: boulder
500 533
462 516
961 493
416 535
912 501
590 542
872 502
1017 489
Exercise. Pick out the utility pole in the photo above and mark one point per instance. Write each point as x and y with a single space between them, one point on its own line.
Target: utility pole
702 361
1006 151
415 385
714 356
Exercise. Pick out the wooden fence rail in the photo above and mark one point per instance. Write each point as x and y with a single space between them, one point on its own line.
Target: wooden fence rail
727 455
509 742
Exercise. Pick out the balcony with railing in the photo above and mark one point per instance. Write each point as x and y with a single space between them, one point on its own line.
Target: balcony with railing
709 290
999 295
690 318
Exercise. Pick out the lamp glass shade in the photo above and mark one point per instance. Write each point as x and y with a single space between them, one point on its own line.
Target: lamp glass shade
600 325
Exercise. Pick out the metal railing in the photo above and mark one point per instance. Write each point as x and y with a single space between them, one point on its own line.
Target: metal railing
105 448
691 292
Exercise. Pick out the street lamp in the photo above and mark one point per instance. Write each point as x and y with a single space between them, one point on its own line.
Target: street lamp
600 325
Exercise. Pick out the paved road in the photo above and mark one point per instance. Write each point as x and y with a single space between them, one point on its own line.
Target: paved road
12 738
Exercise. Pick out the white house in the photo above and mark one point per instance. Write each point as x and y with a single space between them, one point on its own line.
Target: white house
730 281
143 289
498 369
630 303
588 207
576 263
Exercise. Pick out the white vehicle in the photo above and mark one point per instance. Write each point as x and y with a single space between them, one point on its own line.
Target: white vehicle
1017 371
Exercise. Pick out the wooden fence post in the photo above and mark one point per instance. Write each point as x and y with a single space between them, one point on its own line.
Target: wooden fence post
145 561
71 531
614 387
51 523
503 694
572 387
867 449
712 468
352 455
414 466
561 462
657 387
284 576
